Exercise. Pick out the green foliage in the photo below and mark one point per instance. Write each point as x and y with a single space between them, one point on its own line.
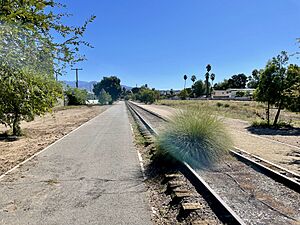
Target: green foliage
37 19
183 94
292 90
148 96
196 137
24 94
198 88
105 98
240 94
76 96
30 56
264 124
277 85
222 85
237 81
135 90
112 85
254 79
219 104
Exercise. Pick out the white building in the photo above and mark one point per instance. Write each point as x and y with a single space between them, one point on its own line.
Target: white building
232 93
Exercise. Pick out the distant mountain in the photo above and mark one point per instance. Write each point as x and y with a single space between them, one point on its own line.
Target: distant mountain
87 85
126 87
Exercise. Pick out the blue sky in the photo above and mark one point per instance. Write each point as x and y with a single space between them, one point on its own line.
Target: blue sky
158 41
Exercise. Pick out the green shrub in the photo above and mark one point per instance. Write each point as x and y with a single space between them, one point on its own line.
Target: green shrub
76 96
240 94
264 124
196 137
183 94
105 98
219 104
226 105
147 96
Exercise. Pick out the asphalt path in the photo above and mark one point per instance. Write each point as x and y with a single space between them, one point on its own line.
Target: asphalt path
91 176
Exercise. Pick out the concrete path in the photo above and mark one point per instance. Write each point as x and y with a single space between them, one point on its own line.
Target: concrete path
91 176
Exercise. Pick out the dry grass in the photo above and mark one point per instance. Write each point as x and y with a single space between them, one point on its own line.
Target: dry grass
245 110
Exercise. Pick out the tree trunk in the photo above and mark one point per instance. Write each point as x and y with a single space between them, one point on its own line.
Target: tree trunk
207 89
277 114
268 114
16 125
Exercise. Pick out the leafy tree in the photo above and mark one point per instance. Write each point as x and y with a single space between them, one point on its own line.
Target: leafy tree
183 94
30 56
292 91
185 77
76 96
135 90
198 88
148 96
238 81
38 20
277 84
104 98
24 94
111 85
253 80
222 85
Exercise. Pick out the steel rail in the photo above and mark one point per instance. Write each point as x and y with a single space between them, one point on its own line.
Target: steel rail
275 172
222 210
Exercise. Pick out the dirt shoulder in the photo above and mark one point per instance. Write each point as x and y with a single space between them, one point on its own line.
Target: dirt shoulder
262 142
42 132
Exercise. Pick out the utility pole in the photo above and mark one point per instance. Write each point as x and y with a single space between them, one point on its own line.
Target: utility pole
76 69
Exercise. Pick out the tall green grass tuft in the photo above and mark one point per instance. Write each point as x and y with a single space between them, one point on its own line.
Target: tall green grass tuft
196 137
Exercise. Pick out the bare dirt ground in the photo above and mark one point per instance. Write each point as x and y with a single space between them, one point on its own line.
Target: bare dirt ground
281 147
43 131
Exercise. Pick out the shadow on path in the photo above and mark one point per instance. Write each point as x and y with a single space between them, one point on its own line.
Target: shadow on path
274 131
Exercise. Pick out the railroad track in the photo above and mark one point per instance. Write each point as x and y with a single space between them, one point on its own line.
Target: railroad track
288 179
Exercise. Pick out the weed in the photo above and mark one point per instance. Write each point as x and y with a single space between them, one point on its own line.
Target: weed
219 104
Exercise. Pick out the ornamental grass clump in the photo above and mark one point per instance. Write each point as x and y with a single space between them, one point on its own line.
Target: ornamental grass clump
194 136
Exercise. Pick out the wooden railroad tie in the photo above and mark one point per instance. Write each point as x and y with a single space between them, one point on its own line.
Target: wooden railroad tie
188 207
177 196
172 185
171 176
203 222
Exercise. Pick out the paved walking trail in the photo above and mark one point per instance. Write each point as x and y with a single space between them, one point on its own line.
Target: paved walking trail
91 176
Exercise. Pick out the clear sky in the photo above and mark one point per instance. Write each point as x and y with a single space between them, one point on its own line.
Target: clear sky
156 42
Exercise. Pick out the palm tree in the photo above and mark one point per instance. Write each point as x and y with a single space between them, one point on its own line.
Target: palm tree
185 77
193 79
212 77
206 82
208 68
